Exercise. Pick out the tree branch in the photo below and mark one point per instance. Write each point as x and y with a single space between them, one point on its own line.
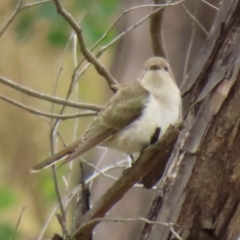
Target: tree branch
44 114
14 14
49 98
156 31
142 166
87 54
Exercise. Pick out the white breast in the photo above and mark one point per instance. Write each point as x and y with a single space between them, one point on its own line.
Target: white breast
138 134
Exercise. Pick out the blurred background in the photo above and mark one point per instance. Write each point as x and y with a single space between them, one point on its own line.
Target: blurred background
37 52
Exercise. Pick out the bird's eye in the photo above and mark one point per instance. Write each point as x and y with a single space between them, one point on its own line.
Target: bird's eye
166 68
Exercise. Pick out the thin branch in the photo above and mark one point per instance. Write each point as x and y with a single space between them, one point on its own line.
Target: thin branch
14 14
102 172
46 97
103 49
70 196
29 5
44 114
18 223
175 233
57 122
78 75
121 16
98 170
195 20
106 34
141 167
55 85
60 202
209 4
66 202
61 67
190 43
100 159
125 220
74 49
136 25
20 6
54 130
87 54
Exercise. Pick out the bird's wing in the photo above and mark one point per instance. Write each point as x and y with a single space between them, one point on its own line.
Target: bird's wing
122 109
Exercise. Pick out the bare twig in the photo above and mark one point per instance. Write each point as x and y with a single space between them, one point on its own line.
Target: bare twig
60 202
87 54
49 98
29 5
50 115
125 220
175 233
73 193
186 65
137 24
56 84
142 166
61 67
102 172
195 20
122 15
74 41
100 159
98 170
103 49
70 165
209 4
18 223
66 201
14 14
127 11
20 6
54 131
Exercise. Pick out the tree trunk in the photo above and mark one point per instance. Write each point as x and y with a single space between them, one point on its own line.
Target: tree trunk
201 185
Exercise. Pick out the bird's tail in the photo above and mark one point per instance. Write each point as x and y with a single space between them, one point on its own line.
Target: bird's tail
74 150
56 157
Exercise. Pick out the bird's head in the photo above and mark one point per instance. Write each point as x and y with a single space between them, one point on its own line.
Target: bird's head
157 74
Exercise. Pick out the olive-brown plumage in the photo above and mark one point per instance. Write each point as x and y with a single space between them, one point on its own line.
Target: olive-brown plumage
131 116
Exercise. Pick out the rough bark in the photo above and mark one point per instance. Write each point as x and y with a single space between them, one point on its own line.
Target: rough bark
202 182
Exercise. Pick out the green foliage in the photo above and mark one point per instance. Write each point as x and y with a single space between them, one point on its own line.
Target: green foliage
48 12
57 37
7 198
24 26
98 18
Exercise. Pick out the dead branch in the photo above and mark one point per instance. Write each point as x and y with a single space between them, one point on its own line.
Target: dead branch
142 166
48 98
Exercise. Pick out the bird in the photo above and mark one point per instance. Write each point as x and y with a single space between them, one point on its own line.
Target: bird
137 115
